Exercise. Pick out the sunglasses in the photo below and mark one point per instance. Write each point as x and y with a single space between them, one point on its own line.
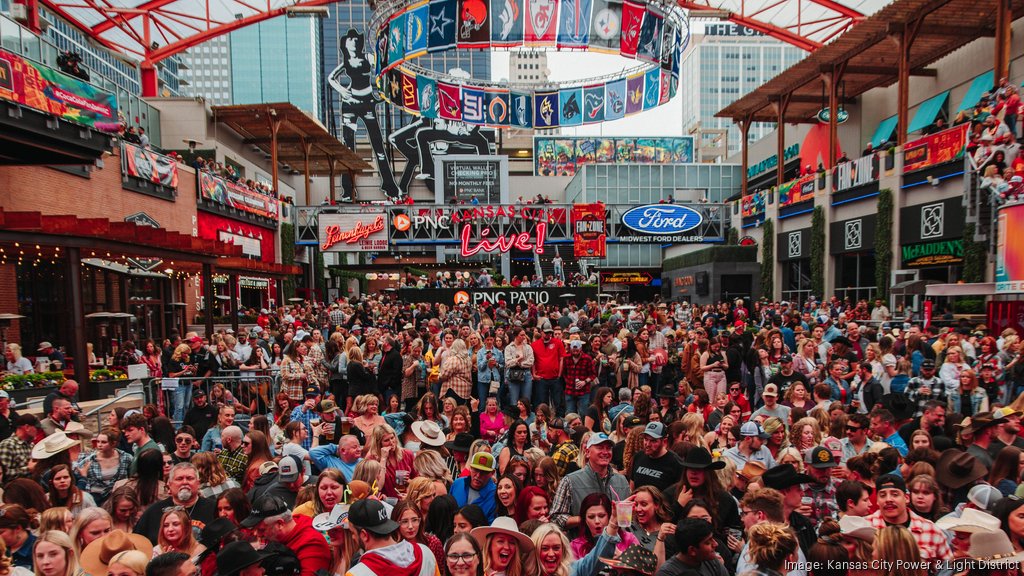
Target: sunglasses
183 440
853 428
734 389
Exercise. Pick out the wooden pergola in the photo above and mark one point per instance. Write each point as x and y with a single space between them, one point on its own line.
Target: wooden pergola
899 41
290 136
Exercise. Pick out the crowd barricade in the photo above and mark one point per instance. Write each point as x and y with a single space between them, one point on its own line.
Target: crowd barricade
243 386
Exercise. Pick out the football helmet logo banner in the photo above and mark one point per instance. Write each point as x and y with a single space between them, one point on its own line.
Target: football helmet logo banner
615 100
649 48
546 110
593 104
497 108
474 24
416 30
606 25
570 107
522 110
441 25
449 101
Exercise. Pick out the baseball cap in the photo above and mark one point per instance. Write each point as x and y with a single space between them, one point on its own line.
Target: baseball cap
548 328
288 469
483 461
890 481
770 390
371 515
632 421
820 457
300 336
312 391
576 345
266 506
1004 412
195 339
599 438
786 358
655 430
928 364
984 496
198 391
557 424
4 394
26 420
753 429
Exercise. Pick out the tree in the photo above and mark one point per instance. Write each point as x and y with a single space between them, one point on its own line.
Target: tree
818 252
883 245
768 258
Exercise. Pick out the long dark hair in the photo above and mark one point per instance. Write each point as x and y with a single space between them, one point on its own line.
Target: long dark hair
512 438
400 508
589 501
238 502
440 520
150 474
74 497
518 484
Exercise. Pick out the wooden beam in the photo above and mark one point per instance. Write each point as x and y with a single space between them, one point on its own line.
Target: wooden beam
946 30
884 71
809 99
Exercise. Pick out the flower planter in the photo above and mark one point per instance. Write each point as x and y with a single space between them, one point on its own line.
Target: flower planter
21 395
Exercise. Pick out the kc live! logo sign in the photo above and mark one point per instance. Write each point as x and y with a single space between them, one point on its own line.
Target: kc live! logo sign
502 244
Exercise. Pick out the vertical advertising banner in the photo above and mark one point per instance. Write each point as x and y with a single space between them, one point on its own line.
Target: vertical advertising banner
589 229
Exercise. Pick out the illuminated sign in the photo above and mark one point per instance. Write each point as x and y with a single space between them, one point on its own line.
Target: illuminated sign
502 244
824 116
635 278
942 253
353 232
662 219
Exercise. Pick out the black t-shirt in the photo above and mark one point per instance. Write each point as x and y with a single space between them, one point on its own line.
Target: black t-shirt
784 382
201 513
201 419
658 472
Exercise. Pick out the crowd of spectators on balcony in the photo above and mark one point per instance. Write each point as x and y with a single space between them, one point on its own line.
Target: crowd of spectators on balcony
231 174
993 145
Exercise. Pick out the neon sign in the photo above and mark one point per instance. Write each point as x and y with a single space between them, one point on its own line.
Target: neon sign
502 244
335 235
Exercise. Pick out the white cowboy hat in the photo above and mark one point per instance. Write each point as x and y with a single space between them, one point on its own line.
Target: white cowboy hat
428 432
505 526
52 445
77 428
857 527
328 520
993 548
972 521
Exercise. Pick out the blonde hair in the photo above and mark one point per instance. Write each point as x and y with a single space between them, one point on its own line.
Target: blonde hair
373 443
64 541
53 518
134 560
898 542
361 402
368 471
180 351
515 565
791 451
772 544
209 469
542 532
429 464
419 488
83 519
693 429
355 354
15 350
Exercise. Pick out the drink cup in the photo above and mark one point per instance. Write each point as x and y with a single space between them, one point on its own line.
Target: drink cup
624 513
314 421
401 477
346 425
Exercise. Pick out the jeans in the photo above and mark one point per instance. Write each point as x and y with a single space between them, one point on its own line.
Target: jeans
577 404
483 390
182 399
954 401
517 390
552 392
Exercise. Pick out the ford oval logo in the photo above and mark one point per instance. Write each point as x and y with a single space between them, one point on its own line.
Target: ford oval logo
662 219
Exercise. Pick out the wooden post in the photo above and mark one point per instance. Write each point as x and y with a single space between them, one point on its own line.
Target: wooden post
307 147
905 40
330 164
78 337
1004 19
833 79
780 132
275 125
744 152
233 303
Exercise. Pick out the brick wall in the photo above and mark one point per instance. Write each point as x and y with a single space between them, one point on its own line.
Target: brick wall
9 299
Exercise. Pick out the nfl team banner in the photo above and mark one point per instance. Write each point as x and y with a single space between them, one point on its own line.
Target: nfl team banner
935 149
144 164
589 230
47 90
226 193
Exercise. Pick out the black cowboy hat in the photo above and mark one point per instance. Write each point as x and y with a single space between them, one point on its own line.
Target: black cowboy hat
462 443
667 391
783 476
841 340
899 404
700 459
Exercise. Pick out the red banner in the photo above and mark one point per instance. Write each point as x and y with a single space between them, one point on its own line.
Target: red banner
935 149
798 190
589 230
143 163
221 191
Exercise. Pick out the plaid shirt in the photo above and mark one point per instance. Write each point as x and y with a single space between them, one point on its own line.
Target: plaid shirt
95 483
456 374
937 387
234 463
304 416
565 455
14 456
582 369
930 539
824 505
293 377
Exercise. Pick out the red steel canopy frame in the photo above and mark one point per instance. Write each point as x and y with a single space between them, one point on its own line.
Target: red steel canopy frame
157 29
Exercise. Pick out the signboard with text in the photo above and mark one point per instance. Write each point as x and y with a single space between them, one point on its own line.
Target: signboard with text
661 224
929 254
796 191
635 278
227 193
465 177
492 296
366 232
590 230
935 149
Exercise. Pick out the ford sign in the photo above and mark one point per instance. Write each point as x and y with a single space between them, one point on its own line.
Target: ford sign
662 219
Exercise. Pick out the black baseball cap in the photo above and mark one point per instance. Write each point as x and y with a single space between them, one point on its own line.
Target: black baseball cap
236 556
890 481
928 363
371 515
266 506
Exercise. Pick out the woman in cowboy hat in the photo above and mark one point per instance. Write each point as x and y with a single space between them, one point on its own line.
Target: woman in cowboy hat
51 451
697 482
506 549
98 555
635 561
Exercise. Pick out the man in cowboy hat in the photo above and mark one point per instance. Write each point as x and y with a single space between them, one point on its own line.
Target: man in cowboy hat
656 465
697 551
596 476
788 481
981 429
344 455
383 556
893 511
241 559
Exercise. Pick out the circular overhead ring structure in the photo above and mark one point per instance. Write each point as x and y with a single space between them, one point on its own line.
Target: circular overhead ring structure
152 30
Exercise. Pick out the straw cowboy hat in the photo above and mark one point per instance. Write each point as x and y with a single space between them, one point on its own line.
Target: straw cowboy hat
96 556
52 445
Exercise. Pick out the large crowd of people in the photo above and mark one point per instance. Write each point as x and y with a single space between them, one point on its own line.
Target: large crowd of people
420 438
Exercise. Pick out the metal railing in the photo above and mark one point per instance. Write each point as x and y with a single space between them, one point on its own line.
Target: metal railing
243 387
98 410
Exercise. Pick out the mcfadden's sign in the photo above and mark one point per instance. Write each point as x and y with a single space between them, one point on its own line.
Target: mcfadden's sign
353 232
666 223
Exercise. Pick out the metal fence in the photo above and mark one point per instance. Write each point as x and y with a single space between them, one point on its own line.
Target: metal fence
174 395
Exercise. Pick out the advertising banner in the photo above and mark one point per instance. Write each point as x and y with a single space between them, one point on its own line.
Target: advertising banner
366 232
796 191
753 204
464 178
855 173
661 223
221 191
589 230
562 156
929 254
48 90
492 296
635 278
144 164
1010 250
935 149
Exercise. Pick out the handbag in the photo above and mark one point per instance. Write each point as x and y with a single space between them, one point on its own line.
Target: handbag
517 375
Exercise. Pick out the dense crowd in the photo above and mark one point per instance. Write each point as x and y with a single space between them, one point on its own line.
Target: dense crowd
421 438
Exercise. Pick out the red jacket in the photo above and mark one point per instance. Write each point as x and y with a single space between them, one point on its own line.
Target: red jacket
309 545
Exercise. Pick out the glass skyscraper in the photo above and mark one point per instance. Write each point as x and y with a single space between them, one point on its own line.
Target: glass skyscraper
278 60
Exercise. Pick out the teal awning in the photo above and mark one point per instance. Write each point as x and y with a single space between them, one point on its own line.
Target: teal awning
979 86
927 112
884 131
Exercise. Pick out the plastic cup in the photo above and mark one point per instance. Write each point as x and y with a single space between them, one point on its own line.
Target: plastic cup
624 513
346 425
401 477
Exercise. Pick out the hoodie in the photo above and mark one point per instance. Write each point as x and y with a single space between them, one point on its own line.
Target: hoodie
309 545
400 559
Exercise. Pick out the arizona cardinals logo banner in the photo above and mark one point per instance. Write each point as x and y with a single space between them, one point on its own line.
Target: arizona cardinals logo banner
441 25
545 105
652 88
449 101
570 106
632 21
605 27
474 29
507 23
396 41
497 108
541 22
634 94
473 106
416 30
593 104
574 23
426 96
407 84
649 47
521 110
615 100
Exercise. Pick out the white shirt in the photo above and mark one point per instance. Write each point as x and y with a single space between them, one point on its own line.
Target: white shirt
22 366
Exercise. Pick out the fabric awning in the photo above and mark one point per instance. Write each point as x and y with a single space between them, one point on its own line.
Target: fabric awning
973 289
978 86
927 112
884 131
